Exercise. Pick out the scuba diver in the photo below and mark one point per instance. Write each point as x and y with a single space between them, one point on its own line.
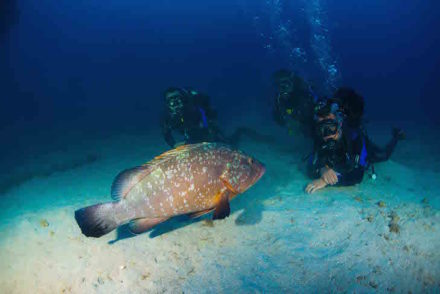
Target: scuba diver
189 118
294 102
343 151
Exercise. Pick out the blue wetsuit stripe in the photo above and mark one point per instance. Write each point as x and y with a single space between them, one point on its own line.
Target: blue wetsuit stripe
205 121
363 156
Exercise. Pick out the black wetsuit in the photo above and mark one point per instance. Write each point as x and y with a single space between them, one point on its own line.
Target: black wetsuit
195 123
296 105
350 157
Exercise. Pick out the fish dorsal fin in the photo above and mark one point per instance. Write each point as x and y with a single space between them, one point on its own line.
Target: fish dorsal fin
176 151
126 179
171 154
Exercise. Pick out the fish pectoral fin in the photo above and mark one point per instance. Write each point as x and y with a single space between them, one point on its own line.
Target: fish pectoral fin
140 225
200 213
228 185
222 209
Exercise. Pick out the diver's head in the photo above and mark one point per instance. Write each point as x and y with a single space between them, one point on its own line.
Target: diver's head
352 105
174 101
328 122
284 81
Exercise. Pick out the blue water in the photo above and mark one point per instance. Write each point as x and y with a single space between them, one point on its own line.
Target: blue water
82 86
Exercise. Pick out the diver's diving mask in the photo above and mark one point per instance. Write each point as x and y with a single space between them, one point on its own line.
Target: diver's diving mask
326 129
285 85
328 118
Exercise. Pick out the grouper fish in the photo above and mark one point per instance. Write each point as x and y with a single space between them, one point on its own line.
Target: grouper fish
192 179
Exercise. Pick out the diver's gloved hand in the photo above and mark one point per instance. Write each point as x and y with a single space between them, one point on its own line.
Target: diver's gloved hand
398 134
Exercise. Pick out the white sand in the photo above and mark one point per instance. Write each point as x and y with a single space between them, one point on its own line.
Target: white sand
277 238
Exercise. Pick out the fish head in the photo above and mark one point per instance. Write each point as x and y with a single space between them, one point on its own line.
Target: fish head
243 172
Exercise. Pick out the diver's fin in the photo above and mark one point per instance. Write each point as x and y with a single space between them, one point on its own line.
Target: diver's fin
222 208
200 213
140 225
94 223
125 180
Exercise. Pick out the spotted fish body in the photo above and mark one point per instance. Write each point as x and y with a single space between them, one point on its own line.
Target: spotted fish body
192 179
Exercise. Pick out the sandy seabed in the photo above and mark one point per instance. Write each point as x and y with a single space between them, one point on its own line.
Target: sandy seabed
380 236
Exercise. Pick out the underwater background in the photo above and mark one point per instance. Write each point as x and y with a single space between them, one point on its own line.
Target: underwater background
82 86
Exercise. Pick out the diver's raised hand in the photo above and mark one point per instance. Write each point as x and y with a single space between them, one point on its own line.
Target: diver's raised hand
315 186
329 176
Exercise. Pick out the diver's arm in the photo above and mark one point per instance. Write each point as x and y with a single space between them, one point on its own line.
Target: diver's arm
328 175
277 115
168 134
312 172
372 147
203 101
212 125
314 166
342 175
352 171
211 113
378 154
350 178
277 112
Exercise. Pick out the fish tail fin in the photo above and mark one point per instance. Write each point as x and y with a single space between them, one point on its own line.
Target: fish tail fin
96 220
